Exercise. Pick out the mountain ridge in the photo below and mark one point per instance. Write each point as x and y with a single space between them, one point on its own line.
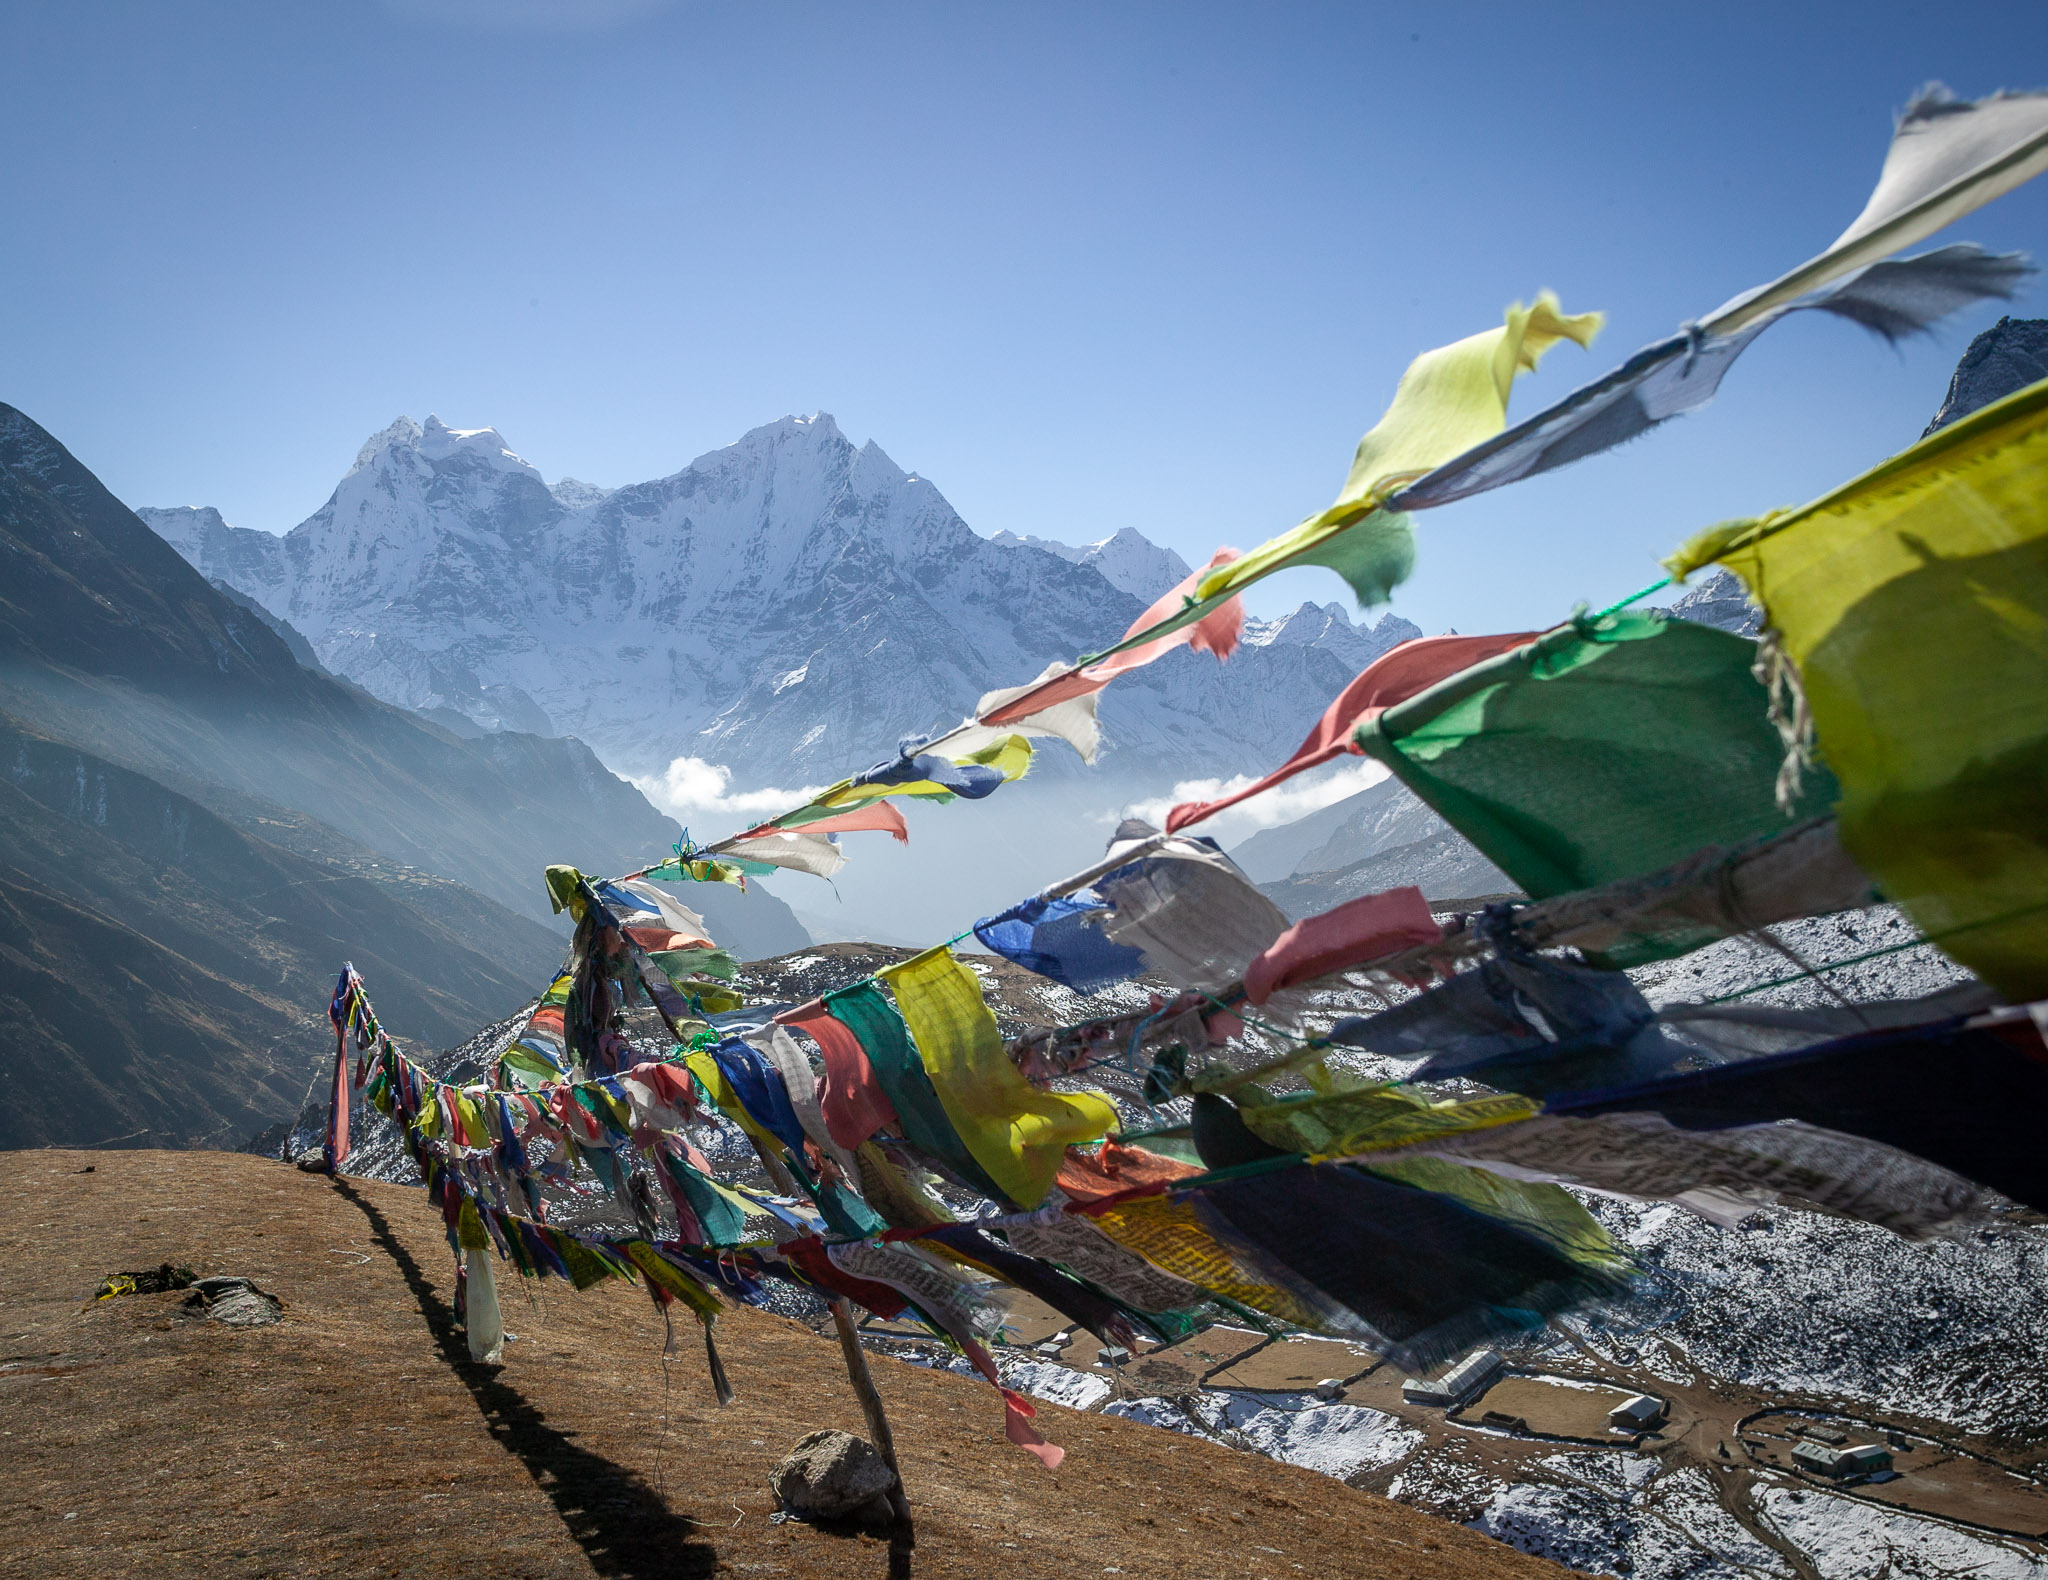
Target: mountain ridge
786 606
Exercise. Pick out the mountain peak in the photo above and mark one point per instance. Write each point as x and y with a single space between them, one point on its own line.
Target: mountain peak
819 427
402 430
436 441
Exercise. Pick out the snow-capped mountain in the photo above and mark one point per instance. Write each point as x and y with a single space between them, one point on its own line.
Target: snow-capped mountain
786 607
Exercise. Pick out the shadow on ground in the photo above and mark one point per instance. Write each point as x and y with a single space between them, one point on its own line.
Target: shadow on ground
611 1512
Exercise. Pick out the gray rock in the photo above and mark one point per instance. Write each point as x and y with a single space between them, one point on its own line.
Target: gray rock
834 1475
2008 356
1721 602
236 1302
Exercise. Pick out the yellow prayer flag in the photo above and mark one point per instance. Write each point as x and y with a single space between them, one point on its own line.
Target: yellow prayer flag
1017 1132
1914 601
1170 1235
1449 400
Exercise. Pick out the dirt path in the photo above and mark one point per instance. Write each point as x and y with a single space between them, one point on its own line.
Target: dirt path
355 1437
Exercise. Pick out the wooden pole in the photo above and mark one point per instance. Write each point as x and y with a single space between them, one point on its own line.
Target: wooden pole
871 1406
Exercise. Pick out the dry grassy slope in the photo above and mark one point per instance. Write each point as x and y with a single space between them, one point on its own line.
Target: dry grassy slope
354 1438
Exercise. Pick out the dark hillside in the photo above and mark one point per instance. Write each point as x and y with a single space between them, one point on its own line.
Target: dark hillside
162 973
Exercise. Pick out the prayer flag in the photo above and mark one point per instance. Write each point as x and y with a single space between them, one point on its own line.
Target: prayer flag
1017 1132
1605 749
1913 602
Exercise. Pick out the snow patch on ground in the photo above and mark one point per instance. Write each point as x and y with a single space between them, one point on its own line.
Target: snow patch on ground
1615 1514
1152 1412
1339 1440
1851 1540
1937 1329
1053 1383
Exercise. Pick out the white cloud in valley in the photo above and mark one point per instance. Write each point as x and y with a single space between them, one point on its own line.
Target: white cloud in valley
690 788
1285 803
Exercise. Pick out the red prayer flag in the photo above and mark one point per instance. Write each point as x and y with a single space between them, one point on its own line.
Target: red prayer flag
851 1098
1395 676
1216 632
1358 931
875 815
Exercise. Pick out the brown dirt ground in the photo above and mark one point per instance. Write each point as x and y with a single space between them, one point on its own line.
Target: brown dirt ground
1551 1408
355 1437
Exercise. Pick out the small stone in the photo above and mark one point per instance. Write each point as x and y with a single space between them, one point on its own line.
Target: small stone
235 1302
834 1475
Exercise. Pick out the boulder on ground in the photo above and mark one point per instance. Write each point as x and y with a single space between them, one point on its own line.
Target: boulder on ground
834 1476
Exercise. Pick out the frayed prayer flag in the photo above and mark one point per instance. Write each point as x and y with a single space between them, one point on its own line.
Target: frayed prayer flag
1215 632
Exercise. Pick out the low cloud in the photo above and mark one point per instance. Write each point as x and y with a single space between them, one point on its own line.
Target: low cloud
690 788
1284 803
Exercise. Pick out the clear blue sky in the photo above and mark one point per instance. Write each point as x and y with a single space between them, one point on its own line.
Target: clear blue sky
1084 266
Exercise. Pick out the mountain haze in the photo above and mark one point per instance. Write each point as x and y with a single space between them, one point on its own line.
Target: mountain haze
111 640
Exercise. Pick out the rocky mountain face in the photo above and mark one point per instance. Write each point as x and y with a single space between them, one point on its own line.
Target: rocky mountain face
786 607
1126 559
1382 837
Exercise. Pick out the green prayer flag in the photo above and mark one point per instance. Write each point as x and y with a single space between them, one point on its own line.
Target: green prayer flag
1603 750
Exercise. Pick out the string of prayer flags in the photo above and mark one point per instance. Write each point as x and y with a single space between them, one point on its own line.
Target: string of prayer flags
1017 1132
1910 601
1445 436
